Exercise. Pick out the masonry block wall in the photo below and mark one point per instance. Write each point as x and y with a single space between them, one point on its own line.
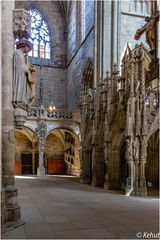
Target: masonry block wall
54 73
78 54
54 147
132 17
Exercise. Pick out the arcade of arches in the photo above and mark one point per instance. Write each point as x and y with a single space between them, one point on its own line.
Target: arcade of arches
82 95
61 153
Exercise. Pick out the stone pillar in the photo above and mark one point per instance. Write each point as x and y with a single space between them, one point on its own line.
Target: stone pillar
143 139
76 160
107 37
41 131
94 166
10 208
98 63
41 168
33 161
107 149
81 162
86 177
129 190
142 162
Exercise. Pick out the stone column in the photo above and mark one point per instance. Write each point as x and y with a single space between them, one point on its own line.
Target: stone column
81 163
107 149
86 168
98 50
41 131
142 162
41 168
33 161
107 25
94 166
143 141
129 190
10 208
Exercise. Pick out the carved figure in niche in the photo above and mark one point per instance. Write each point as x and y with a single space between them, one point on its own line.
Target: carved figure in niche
90 94
136 149
149 29
21 24
128 152
23 81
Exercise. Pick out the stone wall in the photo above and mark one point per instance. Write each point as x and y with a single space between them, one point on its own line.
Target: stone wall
132 17
78 58
54 86
71 40
23 144
54 147
54 73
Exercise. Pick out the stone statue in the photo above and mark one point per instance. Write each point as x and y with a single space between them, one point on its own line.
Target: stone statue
149 29
128 152
136 149
90 94
23 81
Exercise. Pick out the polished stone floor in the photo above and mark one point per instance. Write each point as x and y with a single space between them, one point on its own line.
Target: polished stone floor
59 207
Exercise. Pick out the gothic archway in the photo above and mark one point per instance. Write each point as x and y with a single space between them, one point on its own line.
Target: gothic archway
116 153
152 164
26 150
62 152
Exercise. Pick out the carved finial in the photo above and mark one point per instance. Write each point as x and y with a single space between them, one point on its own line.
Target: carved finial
22 28
21 24
107 75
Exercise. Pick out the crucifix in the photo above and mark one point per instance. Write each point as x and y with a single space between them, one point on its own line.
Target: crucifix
150 28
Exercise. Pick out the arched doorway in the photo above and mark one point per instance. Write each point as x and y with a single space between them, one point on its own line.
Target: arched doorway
152 164
25 151
62 152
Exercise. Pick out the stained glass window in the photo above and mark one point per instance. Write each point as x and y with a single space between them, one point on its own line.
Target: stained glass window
40 36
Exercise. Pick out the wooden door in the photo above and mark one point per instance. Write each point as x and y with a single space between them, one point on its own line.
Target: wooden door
36 163
27 163
18 167
55 166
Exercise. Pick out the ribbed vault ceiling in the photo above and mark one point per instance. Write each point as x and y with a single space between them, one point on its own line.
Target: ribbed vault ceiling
64 8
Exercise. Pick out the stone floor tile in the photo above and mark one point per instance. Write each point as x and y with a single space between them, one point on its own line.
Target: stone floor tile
56 227
56 219
37 228
98 233
60 208
41 235
70 235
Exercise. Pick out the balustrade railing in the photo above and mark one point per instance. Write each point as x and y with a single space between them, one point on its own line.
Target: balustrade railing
45 113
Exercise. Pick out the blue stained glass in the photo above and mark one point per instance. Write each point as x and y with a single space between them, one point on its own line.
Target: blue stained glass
40 36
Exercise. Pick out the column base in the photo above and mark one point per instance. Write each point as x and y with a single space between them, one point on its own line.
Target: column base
142 191
11 225
10 211
129 191
41 172
85 180
94 183
111 184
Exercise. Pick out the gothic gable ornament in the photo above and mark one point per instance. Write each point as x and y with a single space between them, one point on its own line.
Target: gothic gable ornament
21 24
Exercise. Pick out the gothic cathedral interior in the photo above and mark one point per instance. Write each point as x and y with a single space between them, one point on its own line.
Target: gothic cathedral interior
80 96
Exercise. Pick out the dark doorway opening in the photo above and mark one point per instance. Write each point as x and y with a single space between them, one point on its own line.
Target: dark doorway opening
27 164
